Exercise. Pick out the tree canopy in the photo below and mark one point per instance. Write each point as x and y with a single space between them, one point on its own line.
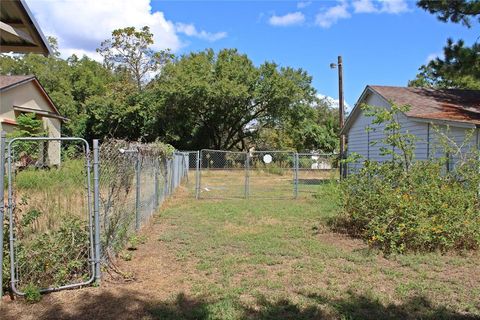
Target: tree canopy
222 100
460 66
203 99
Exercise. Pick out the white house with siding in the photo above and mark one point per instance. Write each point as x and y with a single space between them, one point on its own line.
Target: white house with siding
453 112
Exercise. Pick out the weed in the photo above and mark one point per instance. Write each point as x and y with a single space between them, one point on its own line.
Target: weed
32 293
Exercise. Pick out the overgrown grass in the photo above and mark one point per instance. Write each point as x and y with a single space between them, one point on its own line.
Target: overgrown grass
51 227
273 259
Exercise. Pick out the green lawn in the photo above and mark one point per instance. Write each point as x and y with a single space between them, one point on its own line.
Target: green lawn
277 259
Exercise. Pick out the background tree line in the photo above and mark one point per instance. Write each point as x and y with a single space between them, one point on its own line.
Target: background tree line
198 100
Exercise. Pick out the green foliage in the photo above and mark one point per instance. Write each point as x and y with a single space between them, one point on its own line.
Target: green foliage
221 100
55 257
460 67
129 50
32 293
404 205
204 99
28 126
454 11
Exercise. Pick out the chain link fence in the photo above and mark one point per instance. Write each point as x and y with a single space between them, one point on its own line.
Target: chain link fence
315 169
262 174
135 179
71 210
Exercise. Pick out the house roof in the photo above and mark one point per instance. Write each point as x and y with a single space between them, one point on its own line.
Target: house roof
437 104
20 32
9 82
451 105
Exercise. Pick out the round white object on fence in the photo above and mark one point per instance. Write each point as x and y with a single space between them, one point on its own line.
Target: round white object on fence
267 158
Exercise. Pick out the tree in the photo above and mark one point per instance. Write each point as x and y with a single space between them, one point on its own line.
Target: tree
129 50
222 100
453 10
460 67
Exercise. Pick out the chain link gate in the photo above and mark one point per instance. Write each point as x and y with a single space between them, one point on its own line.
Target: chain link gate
51 221
272 174
262 174
222 174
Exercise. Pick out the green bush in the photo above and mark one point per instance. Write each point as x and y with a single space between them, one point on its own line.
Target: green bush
405 205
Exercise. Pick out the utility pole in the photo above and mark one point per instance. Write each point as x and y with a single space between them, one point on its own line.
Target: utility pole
341 110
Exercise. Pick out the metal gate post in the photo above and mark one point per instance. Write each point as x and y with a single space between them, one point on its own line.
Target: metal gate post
137 192
96 207
2 204
197 176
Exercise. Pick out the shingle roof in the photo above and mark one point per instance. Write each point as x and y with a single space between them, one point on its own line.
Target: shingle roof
436 104
8 81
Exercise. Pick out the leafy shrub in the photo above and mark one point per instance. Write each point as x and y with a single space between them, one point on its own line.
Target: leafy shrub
402 204
54 257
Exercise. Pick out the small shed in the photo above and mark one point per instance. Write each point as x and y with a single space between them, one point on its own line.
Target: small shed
454 112
25 94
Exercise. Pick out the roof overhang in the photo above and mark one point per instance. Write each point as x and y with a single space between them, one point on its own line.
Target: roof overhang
43 113
20 32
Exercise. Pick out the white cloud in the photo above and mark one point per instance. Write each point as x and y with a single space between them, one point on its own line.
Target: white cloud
364 6
287 20
394 6
191 31
334 103
80 26
303 4
380 6
326 18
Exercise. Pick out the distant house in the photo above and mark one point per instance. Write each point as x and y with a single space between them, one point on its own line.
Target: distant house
431 110
25 94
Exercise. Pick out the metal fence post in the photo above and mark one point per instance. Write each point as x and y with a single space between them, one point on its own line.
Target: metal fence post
155 186
2 204
96 207
137 192
296 166
197 176
247 174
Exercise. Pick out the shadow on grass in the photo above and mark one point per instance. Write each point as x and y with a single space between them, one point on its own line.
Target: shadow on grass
129 305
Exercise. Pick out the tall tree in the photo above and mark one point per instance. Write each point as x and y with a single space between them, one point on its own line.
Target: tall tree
460 67
130 50
221 100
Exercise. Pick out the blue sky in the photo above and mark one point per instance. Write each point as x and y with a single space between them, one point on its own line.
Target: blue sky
382 42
